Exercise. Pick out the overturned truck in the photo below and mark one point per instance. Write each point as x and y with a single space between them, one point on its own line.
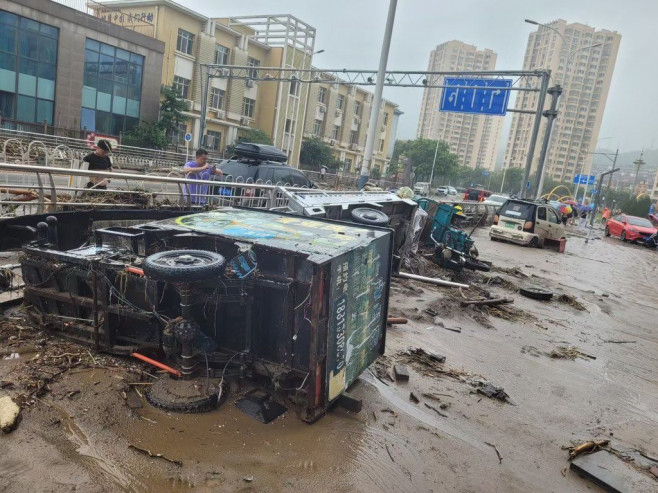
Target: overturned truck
298 304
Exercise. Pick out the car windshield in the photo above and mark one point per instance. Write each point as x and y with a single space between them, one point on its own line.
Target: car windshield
497 198
517 210
639 221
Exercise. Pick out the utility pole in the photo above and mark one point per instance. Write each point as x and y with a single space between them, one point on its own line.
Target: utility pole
614 163
551 115
596 200
377 102
639 163
535 132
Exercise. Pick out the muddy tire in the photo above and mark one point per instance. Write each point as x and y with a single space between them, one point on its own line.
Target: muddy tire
371 217
180 396
606 231
623 236
536 293
534 242
184 265
474 264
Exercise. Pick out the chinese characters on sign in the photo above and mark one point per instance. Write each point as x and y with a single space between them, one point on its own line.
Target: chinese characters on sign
479 96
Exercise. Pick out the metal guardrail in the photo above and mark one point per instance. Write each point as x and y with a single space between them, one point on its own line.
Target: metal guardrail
47 196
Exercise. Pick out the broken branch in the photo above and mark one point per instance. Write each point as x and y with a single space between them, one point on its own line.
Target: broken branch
500 458
491 302
155 456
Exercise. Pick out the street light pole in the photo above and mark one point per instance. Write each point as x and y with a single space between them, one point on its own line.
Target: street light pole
377 102
551 115
436 151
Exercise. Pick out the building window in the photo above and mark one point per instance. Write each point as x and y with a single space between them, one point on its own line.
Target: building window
322 95
213 140
381 145
294 88
340 102
177 135
185 42
221 55
253 62
182 86
248 107
111 88
354 137
28 62
385 119
317 127
336 132
217 98
357 108
288 126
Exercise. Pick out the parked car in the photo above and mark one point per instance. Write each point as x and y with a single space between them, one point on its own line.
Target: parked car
476 194
630 228
260 163
444 191
422 188
495 200
527 223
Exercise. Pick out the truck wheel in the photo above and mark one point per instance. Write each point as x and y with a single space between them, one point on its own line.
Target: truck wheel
184 265
372 217
536 293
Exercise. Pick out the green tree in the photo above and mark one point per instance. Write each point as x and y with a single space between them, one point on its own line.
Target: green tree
420 156
252 135
314 154
172 107
146 134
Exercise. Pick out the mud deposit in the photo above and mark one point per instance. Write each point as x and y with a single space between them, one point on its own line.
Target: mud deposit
82 411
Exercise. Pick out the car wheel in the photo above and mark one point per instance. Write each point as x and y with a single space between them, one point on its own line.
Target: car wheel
372 217
536 293
606 231
623 236
184 265
534 242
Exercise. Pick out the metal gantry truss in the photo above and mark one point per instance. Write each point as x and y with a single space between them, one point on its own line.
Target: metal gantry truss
524 81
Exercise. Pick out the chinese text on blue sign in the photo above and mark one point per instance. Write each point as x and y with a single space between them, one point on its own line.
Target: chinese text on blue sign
480 96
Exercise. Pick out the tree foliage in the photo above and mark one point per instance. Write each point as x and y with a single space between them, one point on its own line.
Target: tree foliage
252 135
419 155
314 154
154 134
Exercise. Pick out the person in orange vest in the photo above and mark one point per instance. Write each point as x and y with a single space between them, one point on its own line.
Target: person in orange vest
605 215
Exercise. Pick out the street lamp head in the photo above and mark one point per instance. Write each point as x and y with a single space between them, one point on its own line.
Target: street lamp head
531 22
318 52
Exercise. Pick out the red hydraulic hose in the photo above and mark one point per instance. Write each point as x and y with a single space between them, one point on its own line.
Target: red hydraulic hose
157 364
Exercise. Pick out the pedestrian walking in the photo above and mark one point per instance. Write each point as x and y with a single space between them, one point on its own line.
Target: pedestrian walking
605 215
99 160
199 169
323 171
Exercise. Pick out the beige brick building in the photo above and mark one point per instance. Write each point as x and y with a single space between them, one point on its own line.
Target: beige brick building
474 138
585 75
340 115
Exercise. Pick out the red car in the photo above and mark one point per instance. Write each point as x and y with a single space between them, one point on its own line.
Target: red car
630 228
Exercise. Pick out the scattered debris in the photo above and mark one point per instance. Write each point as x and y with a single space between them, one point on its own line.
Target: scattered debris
500 458
569 352
513 271
423 353
435 410
351 403
155 456
613 341
10 414
389 452
487 302
586 448
435 395
389 411
491 391
248 479
401 373
414 398
571 301
396 321
610 473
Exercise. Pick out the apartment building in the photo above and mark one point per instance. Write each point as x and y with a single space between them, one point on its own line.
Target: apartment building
60 67
339 114
582 60
473 138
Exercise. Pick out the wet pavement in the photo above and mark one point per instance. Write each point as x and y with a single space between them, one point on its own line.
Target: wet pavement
449 441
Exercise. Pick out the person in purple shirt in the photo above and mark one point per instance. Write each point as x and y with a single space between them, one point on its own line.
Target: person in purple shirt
199 169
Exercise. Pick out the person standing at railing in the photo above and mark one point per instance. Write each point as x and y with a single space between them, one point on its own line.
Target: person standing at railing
99 160
199 169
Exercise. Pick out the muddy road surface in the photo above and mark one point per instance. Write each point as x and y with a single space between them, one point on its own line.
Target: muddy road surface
581 366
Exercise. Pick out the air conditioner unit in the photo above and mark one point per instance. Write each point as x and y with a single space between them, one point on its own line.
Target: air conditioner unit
250 83
353 147
323 109
332 142
245 121
357 120
221 114
339 112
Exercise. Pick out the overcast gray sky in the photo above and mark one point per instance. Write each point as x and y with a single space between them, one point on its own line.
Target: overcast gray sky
351 32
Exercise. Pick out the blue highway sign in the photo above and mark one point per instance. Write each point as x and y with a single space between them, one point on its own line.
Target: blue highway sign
479 96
